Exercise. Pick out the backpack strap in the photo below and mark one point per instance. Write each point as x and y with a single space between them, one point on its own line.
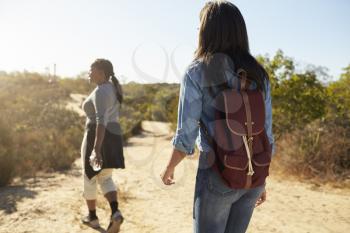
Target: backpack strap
247 139
243 76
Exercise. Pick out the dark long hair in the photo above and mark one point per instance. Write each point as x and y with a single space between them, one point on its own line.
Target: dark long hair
223 30
107 67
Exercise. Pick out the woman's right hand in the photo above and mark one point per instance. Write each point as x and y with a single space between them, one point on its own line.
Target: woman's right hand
98 156
168 176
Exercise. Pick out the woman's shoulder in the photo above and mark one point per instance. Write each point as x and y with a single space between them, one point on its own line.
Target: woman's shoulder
194 68
203 73
104 88
193 72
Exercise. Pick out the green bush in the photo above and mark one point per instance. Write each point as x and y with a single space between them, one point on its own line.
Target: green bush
297 101
298 98
338 104
310 119
164 105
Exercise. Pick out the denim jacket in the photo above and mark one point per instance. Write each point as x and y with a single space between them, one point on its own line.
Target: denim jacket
196 103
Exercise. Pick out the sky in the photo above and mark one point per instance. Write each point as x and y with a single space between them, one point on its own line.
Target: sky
154 41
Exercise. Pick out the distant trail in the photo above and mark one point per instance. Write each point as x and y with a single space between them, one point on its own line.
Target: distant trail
54 202
75 103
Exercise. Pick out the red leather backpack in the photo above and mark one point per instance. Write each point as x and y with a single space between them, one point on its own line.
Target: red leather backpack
240 143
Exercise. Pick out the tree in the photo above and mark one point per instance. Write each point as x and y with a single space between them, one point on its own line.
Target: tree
339 97
297 98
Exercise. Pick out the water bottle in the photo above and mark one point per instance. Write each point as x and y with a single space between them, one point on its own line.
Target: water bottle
94 162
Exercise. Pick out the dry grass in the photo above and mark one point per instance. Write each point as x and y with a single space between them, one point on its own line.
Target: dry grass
319 153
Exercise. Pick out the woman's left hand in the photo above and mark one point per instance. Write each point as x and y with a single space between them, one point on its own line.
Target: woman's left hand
261 199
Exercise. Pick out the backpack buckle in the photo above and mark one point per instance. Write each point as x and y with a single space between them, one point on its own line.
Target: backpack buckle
250 139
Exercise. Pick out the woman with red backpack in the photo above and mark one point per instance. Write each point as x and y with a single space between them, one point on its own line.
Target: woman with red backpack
224 103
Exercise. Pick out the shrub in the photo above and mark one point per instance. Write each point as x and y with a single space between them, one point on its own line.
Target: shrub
321 150
7 162
36 131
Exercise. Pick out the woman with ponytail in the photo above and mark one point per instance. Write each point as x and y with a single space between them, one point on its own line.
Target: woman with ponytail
102 137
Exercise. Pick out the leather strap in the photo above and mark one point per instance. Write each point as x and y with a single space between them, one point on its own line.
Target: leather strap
243 75
248 140
248 113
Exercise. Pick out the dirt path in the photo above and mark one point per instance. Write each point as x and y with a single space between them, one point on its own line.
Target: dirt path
53 203
75 103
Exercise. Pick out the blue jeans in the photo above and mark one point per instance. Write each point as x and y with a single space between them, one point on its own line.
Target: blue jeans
220 209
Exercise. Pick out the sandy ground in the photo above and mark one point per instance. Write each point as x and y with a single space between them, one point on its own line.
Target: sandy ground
53 202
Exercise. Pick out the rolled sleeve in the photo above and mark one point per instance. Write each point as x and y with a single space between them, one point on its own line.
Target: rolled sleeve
100 103
268 116
189 113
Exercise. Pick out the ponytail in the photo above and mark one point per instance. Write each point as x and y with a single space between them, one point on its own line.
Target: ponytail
107 67
118 87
